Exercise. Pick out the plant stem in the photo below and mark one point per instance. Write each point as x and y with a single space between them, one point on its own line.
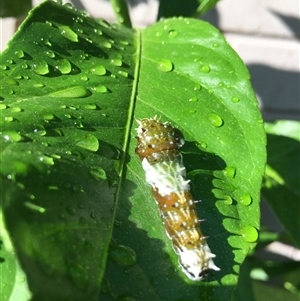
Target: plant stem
121 12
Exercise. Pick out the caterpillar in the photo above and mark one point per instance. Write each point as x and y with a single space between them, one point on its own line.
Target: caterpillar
158 148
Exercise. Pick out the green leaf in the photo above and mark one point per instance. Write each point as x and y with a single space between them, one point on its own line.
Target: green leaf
65 88
281 183
191 80
70 177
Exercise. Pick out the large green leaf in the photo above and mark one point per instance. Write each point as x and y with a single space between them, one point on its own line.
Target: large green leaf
281 183
71 89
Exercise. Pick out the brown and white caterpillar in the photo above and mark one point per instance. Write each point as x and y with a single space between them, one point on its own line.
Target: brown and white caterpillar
158 148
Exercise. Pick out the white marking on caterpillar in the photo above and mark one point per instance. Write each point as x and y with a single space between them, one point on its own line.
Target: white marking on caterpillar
158 148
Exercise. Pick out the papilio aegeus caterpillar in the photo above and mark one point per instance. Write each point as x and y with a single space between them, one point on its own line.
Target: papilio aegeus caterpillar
158 148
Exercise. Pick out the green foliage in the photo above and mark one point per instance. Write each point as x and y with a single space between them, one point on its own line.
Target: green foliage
76 211
14 8
281 183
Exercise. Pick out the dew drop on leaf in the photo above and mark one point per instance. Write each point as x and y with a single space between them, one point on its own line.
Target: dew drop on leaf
106 44
235 99
47 160
215 120
77 274
98 173
122 255
99 70
19 53
165 65
123 73
2 106
193 99
173 33
40 67
11 136
100 89
39 130
117 62
90 106
64 66
8 118
245 199
71 210
49 117
38 85
50 54
16 109
89 142
72 92
197 87
249 233
68 33
205 69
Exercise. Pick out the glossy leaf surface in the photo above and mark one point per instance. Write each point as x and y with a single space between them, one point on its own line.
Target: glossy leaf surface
74 193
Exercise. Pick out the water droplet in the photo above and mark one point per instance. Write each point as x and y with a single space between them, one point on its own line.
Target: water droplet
165 65
90 106
49 117
100 89
249 233
99 70
203 144
16 109
205 68
8 118
221 84
123 73
71 210
77 274
78 124
216 45
122 255
197 87
64 66
47 160
89 142
230 172
193 99
245 199
40 67
38 85
50 54
192 111
215 120
98 31
98 173
34 207
52 187
235 99
106 44
2 106
173 33
19 53
11 136
68 33
117 62
40 130
72 92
